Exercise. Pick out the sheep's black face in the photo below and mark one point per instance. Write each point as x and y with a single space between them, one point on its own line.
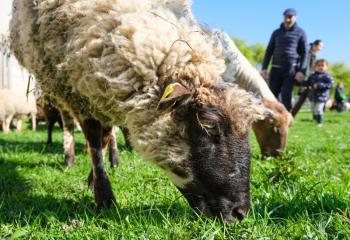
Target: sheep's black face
219 158
220 165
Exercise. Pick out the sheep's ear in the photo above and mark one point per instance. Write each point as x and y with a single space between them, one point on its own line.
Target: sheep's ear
173 95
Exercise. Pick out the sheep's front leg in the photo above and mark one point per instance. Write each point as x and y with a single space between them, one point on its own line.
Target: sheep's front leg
33 118
68 137
98 138
112 147
6 124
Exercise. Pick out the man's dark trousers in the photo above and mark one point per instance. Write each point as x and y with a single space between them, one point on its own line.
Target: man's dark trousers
281 82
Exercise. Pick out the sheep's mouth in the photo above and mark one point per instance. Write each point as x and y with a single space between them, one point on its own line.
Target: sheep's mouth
221 208
228 212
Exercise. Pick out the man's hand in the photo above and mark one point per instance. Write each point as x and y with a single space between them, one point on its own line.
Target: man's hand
299 76
264 74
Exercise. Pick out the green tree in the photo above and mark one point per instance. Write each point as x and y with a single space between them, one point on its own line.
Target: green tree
254 53
259 53
245 49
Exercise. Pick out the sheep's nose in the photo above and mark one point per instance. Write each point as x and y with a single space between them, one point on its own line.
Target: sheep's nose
239 213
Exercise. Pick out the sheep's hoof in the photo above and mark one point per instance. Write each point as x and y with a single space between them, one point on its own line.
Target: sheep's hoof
104 198
114 162
114 165
69 161
69 164
108 202
102 190
113 158
90 181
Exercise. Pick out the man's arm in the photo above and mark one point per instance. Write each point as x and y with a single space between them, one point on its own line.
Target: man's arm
269 52
302 52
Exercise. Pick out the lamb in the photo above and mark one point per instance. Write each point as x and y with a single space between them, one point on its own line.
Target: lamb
272 131
135 64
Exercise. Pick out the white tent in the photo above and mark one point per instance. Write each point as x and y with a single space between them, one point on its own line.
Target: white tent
12 75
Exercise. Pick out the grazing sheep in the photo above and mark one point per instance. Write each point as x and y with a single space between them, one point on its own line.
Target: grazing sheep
14 102
135 64
272 131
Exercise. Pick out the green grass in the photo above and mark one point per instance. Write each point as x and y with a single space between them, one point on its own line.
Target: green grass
305 194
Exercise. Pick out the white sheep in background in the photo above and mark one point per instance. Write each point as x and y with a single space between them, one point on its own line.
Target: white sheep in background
134 63
16 104
14 100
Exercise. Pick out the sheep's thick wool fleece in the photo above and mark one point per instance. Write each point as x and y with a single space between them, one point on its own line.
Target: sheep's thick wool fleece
111 59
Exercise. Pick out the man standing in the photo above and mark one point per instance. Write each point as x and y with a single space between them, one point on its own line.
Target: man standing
287 48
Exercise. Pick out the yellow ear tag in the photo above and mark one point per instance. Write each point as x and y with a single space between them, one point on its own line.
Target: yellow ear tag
168 90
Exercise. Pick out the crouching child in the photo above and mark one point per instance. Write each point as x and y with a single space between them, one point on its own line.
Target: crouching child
321 83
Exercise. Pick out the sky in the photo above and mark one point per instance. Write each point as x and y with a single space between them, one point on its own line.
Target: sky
254 21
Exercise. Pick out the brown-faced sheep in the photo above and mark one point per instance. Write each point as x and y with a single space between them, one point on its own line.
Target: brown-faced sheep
272 131
135 64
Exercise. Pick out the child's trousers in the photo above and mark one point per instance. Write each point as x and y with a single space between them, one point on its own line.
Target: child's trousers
318 110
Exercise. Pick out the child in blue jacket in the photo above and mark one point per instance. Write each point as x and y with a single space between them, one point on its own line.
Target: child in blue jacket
321 83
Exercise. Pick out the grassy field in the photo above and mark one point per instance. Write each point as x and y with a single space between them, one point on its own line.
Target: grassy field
305 194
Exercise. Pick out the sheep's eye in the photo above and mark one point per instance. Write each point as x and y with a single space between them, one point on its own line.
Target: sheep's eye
214 131
210 128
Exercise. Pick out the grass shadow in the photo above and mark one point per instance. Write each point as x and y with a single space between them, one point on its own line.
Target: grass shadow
19 203
10 145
